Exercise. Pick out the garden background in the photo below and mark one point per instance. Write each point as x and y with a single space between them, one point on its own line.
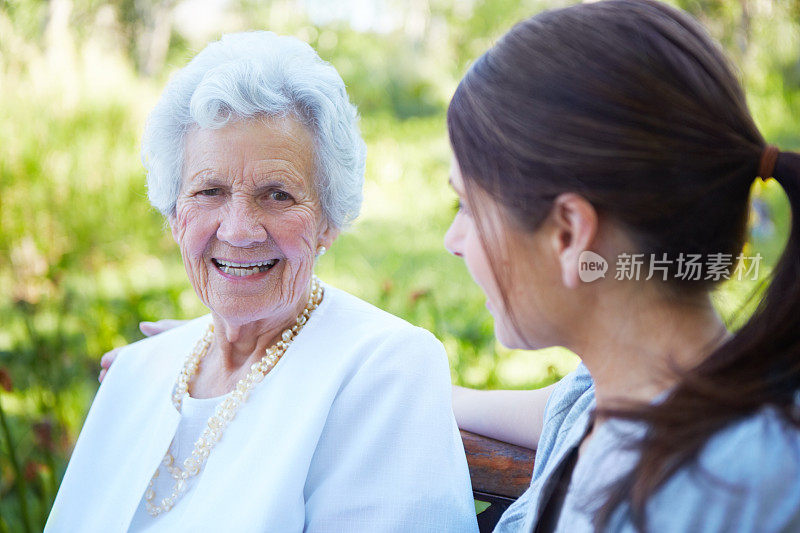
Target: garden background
84 258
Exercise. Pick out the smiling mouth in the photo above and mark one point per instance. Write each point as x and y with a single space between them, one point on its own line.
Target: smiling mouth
244 269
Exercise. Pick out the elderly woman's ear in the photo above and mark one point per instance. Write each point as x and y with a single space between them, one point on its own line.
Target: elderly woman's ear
328 234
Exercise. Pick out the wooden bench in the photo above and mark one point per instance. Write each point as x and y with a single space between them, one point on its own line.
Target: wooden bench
500 473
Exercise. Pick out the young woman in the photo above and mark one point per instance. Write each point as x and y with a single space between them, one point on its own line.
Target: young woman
619 129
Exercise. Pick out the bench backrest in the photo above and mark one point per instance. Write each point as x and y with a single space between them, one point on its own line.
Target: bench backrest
500 473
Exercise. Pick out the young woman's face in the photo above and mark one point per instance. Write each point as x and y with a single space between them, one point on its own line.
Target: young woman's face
463 239
530 314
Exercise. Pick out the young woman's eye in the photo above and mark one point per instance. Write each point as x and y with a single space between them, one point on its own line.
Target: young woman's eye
459 207
280 196
210 192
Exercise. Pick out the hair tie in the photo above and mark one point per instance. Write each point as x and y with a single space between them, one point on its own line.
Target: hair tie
766 165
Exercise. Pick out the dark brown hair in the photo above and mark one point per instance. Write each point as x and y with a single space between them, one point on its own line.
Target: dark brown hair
633 106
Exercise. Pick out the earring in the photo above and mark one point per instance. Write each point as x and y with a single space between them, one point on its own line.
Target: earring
321 250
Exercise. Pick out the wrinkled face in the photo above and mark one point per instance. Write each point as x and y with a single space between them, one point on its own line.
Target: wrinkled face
248 220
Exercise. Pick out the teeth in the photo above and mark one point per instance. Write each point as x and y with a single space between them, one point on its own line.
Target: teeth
245 269
269 263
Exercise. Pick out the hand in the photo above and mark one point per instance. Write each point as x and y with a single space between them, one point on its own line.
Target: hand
149 329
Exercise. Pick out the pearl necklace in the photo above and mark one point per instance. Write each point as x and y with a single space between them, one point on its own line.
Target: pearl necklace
227 409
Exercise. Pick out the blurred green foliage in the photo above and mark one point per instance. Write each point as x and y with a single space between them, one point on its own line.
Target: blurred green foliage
83 257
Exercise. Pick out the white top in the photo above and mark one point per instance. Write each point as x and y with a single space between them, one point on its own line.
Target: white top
352 431
195 413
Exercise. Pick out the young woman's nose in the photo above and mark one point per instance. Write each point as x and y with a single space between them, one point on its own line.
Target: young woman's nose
240 224
453 238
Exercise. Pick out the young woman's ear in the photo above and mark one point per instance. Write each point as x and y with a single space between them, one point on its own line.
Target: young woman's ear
574 226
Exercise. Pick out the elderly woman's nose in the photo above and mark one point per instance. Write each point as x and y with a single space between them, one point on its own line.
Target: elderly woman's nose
241 224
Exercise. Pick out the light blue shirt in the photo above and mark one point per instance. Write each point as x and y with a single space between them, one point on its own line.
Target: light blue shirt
746 478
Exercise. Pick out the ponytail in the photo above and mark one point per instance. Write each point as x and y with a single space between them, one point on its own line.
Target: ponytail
758 366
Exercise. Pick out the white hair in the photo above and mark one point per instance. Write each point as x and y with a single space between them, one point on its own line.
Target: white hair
244 75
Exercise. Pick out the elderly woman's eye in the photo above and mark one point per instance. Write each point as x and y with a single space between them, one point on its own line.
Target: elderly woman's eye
210 192
280 196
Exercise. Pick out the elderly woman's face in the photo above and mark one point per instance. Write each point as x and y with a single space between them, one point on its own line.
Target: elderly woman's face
248 220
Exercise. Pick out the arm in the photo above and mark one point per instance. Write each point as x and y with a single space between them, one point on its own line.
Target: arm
514 416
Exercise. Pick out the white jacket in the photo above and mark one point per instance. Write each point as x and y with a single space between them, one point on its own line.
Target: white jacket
352 431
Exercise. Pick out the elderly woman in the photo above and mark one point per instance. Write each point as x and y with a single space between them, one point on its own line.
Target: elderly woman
293 406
